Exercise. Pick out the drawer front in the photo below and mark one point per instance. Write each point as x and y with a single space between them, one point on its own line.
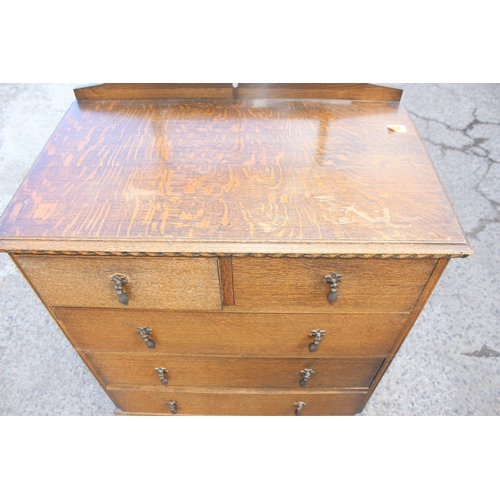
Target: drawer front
154 282
281 335
226 403
122 369
388 285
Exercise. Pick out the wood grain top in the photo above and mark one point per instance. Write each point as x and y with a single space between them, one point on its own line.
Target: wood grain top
233 176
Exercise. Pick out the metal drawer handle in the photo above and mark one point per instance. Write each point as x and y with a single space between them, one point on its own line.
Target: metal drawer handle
299 405
161 373
333 279
318 337
145 332
173 406
119 281
306 375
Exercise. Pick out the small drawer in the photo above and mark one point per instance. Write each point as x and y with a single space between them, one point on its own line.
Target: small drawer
153 282
123 369
266 334
239 403
291 284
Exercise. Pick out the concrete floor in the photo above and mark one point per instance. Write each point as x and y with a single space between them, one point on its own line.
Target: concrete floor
443 367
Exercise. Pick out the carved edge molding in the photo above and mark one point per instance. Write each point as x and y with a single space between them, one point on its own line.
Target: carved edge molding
210 254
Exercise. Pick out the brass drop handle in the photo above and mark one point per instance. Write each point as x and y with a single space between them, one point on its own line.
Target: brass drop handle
306 375
161 373
318 337
119 281
333 279
299 405
173 406
145 332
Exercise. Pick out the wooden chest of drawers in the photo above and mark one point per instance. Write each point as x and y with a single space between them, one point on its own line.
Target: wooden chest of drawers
259 250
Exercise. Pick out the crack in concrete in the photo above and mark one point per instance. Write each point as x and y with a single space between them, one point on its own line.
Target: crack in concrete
477 141
449 127
490 163
485 352
469 150
483 224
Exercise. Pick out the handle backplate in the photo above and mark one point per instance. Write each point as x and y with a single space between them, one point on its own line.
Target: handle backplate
119 281
173 406
299 405
318 337
161 373
306 375
333 279
145 332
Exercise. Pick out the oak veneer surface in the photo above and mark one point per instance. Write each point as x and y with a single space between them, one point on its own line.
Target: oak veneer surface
253 334
215 371
232 175
233 403
155 283
367 284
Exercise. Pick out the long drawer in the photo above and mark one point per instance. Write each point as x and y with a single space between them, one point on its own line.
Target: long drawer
281 335
153 282
238 403
388 285
124 369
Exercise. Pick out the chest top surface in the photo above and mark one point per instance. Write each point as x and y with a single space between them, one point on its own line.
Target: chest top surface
233 176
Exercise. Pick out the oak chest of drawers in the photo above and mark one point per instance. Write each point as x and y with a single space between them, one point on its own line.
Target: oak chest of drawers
258 250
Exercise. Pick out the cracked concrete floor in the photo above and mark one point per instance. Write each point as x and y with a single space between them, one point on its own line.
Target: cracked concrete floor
449 364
